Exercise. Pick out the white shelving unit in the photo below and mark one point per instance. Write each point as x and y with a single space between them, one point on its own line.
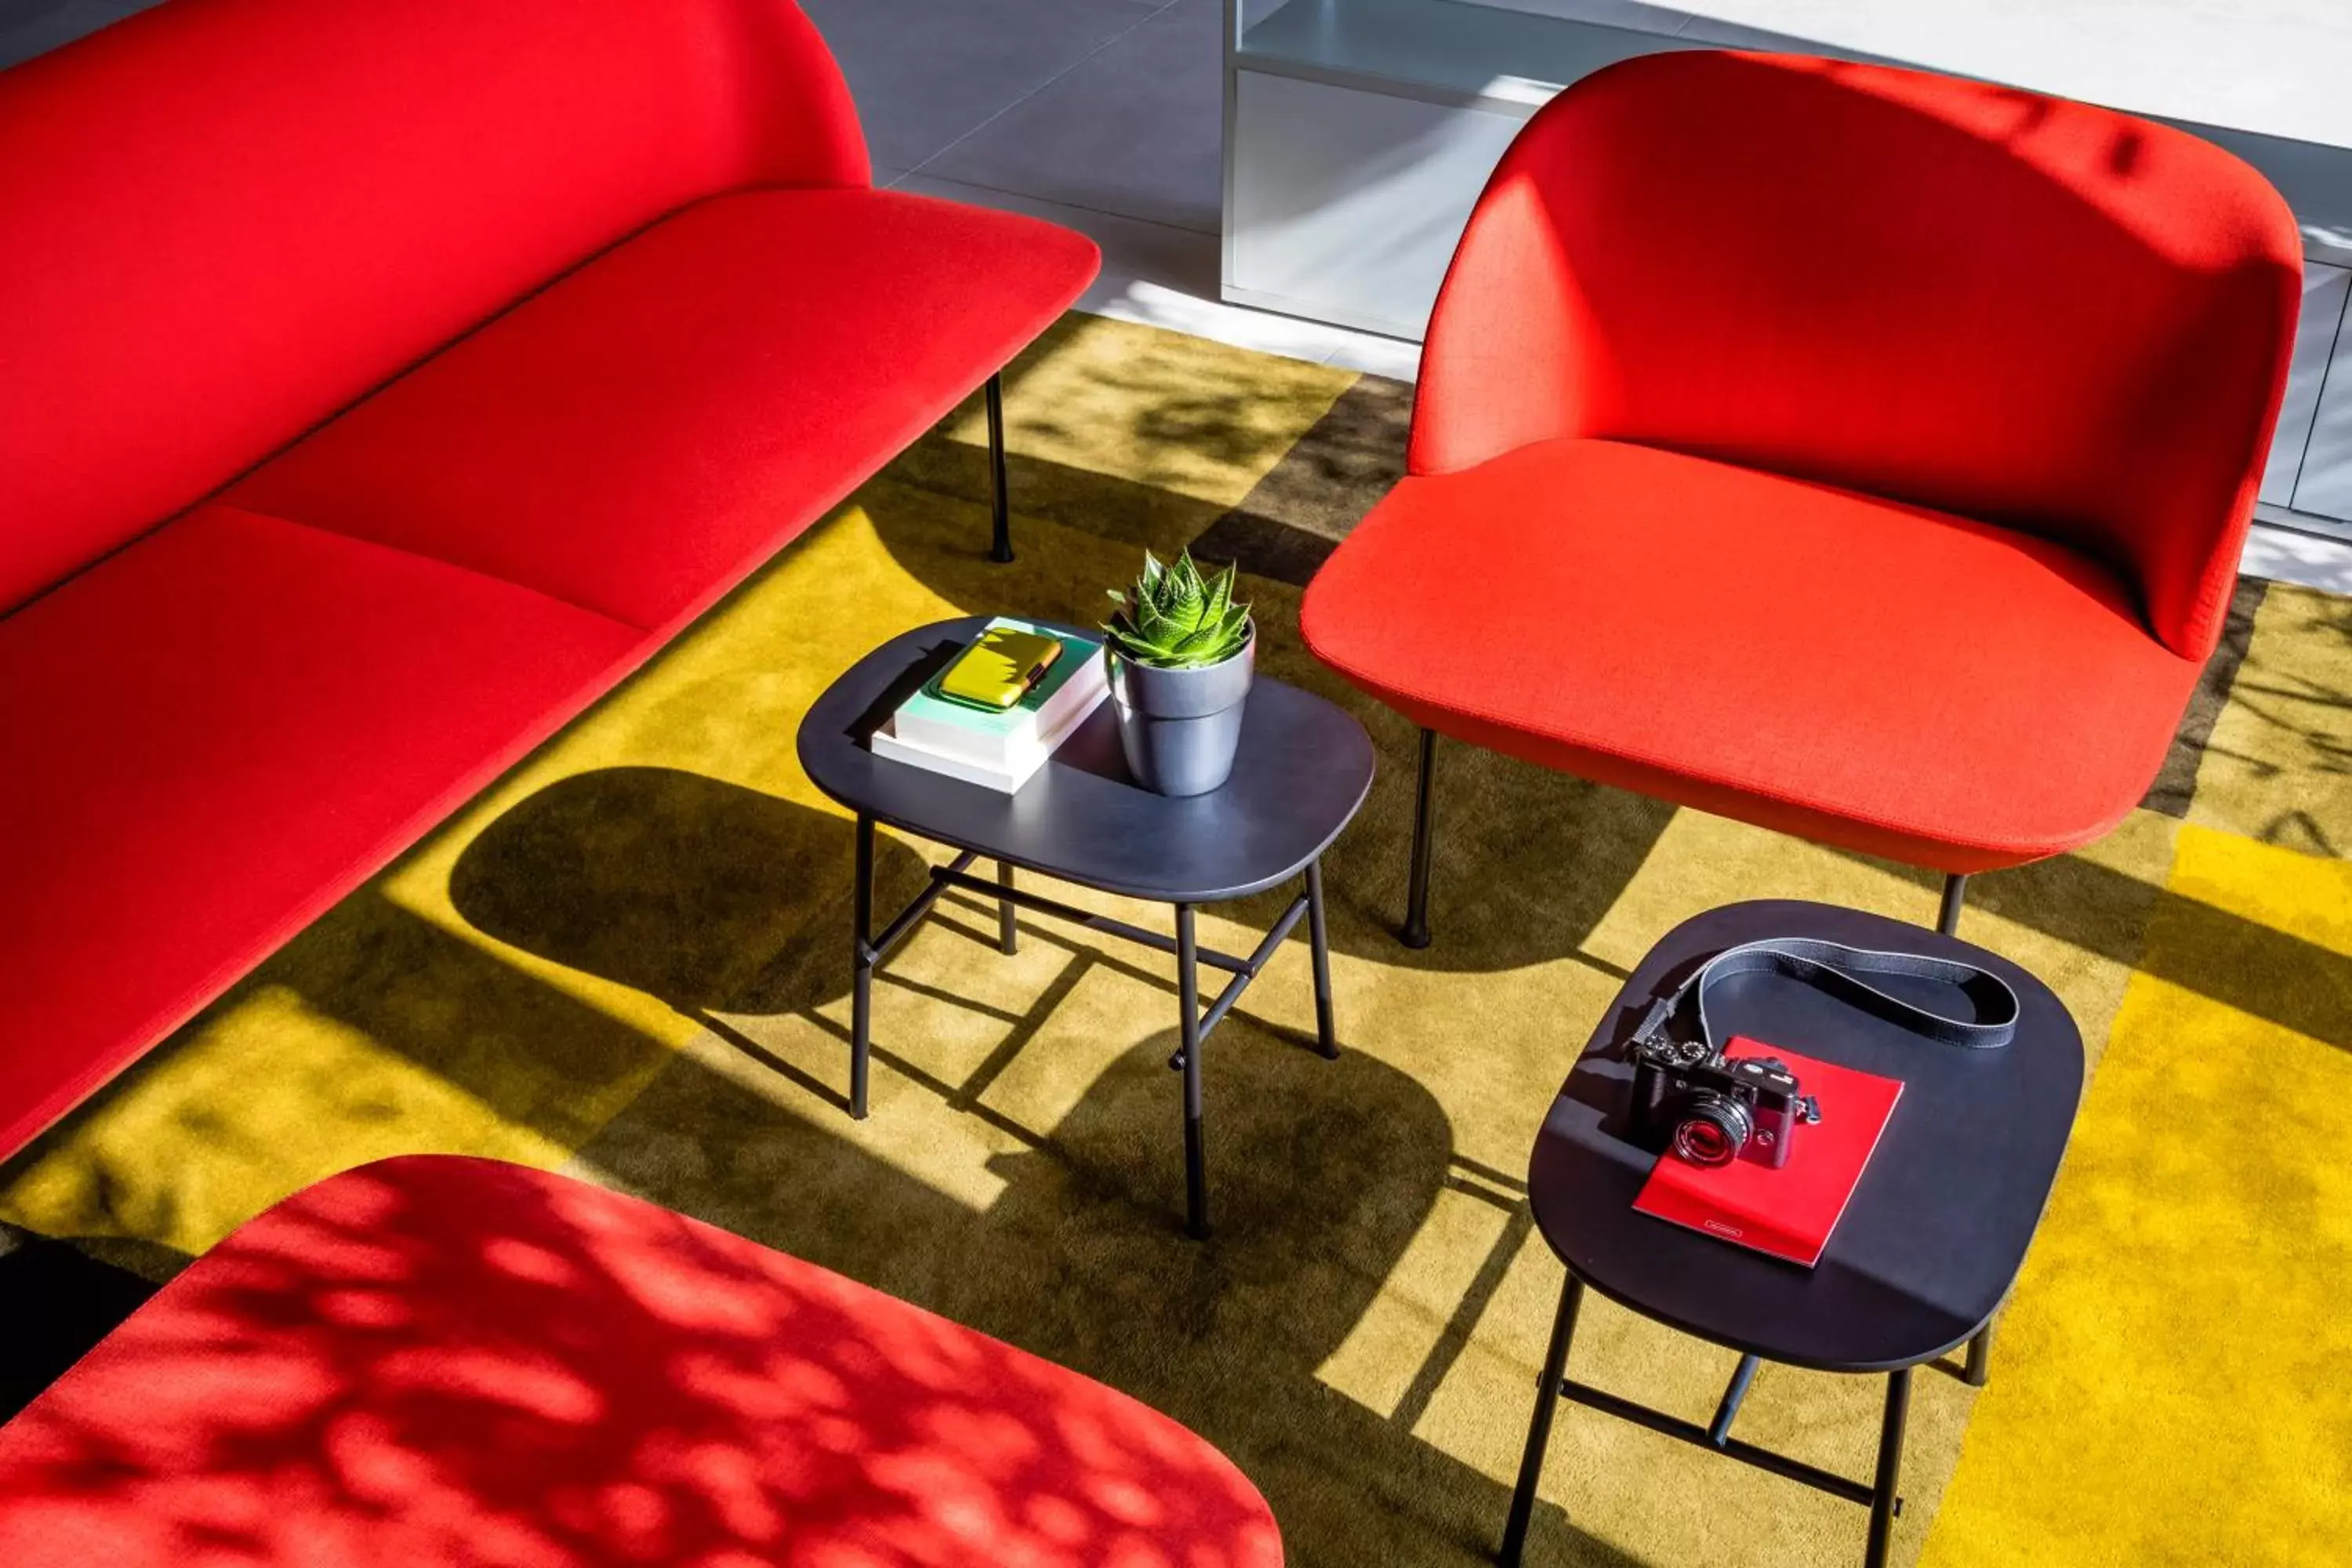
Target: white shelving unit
1359 133
2309 481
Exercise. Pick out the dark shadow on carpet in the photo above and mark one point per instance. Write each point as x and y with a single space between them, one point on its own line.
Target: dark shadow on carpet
685 886
2255 969
58 1302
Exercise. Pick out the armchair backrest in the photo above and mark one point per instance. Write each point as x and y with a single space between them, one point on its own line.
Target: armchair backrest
221 220
2017 309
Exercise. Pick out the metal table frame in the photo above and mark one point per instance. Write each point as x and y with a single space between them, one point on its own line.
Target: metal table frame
1879 1494
1900 1297
870 950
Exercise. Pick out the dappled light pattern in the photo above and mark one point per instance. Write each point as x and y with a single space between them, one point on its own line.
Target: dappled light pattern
434 1360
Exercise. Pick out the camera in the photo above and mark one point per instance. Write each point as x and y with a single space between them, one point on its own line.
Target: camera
1710 1108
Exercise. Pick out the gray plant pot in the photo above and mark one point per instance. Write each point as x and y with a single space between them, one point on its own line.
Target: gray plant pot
1179 728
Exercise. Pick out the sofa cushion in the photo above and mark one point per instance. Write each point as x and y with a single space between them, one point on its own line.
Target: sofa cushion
433 1360
221 220
1853 670
648 429
213 735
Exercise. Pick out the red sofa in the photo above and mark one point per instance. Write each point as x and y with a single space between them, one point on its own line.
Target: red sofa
440 1361
379 382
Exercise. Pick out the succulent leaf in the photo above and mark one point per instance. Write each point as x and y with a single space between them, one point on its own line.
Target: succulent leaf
1175 617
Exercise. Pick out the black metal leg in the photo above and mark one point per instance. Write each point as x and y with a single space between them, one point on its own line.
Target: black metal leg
1188 995
1417 915
861 996
1734 1393
1979 1367
1956 892
1884 1502
1001 508
1523 1500
1008 940
1327 1037
1947 921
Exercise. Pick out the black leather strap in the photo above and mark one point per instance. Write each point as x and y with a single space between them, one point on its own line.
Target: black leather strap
1836 969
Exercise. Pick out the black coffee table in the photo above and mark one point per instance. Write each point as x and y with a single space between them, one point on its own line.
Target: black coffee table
1929 1246
1303 770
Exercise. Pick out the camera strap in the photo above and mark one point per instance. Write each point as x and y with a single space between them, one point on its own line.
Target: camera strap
1837 969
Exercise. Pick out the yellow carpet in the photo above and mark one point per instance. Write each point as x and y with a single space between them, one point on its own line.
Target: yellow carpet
629 959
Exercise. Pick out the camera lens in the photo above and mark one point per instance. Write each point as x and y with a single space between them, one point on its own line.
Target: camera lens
1713 1131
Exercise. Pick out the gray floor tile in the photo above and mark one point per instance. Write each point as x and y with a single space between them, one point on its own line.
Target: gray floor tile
29 28
1161 276
2293 556
925 72
1134 131
1179 258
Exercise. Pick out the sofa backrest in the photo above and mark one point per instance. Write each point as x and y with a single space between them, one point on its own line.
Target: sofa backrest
221 220
1975 299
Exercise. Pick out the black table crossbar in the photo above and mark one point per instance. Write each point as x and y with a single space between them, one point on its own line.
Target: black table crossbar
1247 971
1187 952
1701 1436
912 915
954 876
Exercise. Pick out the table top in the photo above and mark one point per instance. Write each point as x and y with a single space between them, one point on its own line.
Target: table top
1304 767
1936 1231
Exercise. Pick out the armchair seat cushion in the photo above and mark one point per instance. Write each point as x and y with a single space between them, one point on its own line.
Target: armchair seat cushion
1853 671
433 1360
640 435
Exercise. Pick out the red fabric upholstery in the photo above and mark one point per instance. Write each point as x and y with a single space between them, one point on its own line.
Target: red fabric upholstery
226 218
1882 676
214 734
1712 303
436 1361
648 429
221 222
2030 311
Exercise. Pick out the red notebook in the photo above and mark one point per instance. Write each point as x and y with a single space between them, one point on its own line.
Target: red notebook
1789 1212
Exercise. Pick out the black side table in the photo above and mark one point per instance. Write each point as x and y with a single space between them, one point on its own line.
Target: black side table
1304 768
1929 1244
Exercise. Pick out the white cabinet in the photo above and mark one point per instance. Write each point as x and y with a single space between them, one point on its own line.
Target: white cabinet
1359 133
2324 291
2322 485
1348 205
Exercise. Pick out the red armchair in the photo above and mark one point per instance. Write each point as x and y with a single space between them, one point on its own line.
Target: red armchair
1857 452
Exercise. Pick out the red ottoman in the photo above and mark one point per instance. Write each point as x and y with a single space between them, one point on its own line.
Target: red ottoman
434 1360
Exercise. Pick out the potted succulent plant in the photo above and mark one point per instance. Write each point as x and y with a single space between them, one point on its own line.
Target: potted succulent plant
1181 654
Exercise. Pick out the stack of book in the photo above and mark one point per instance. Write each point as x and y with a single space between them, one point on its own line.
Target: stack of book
998 749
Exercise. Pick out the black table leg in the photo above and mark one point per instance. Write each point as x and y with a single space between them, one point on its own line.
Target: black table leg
1948 913
1188 995
1884 1502
1523 1500
1979 1367
861 995
1007 940
1000 504
1319 933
